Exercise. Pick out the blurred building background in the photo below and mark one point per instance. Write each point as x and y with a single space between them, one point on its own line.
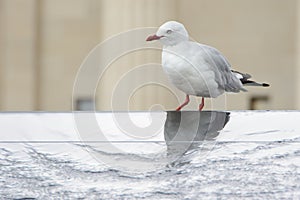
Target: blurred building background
44 42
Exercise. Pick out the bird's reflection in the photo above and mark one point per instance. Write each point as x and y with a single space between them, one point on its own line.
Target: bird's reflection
188 130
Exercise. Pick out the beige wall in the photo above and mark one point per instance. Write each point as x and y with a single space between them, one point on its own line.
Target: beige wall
297 74
124 16
69 30
43 43
17 55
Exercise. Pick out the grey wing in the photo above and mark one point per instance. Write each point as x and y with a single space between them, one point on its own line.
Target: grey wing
222 69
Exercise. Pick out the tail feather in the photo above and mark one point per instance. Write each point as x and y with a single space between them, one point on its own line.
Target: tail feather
253 83
244 78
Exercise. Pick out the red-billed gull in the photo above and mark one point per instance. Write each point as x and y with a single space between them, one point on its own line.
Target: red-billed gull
197 69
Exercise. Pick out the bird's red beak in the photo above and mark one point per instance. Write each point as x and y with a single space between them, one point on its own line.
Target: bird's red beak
153 37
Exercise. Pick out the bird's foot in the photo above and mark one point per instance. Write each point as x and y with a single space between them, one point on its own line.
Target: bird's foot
201 106
187 100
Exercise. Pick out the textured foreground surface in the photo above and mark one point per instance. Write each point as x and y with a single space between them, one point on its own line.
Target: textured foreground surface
256 155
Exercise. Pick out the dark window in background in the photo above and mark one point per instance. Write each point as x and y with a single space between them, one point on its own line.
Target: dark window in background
85 104
259 102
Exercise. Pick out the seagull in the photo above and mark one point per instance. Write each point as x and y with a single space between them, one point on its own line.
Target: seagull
197 69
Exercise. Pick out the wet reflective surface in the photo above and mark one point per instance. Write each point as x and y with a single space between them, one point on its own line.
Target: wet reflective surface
185 131
160 155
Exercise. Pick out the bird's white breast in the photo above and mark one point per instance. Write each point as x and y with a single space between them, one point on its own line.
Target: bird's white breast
188 71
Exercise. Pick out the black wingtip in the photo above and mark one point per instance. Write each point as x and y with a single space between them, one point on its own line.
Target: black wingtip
266 85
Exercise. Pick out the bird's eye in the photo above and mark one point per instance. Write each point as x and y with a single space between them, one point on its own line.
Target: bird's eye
169 31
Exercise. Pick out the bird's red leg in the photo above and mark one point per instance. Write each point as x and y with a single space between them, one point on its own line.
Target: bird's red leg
187 100
202 104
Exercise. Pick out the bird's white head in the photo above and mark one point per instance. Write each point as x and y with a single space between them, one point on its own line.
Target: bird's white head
170 33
